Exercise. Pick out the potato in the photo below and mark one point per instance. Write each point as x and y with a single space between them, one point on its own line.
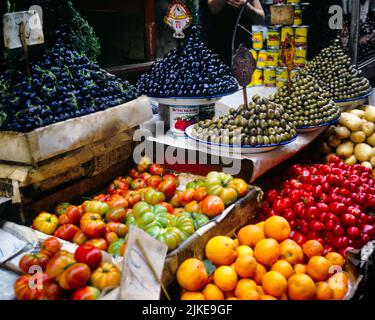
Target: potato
333 141
363 152
371 140
328 156
326 148
358 137
341 132
345 150
351 121
366 164
368 128
370 113
372 161
351 160
358 113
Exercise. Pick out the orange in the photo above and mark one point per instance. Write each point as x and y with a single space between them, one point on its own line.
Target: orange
188 295
291 251
267 297
250 235
225 278
300 268
323 291
245 290
277 228
232 298
259 273
245 250
221 250
260 290
260 225
284 296
336 259
267 252
192 274
212 292
339 285
284 267
318 268
274 283
235 241
312 248
245 266
301 287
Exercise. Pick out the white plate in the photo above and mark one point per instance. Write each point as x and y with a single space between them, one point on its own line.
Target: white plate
312 129
236 148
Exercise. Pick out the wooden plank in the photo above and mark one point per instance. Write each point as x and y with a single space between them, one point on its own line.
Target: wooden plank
131 68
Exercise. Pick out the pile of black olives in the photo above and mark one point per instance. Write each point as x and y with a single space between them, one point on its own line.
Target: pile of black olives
307 104
189 71
334 72
262 123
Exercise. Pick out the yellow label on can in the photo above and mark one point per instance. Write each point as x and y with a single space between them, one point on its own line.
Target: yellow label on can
254 53
273 38
272 58
258 40
297 16
281 77
262 59
301 35
300 57
269 77
284 32
293 1
257 79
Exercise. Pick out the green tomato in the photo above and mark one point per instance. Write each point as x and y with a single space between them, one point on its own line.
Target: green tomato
199 220
162 219
171 237
140 209
195 184
115 247
153 196
130 220
154 231
184 224
145 219
96 207
157 209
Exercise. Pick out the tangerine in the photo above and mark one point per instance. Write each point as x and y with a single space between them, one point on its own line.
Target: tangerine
250 235
274 283
277 228
245 266
260 271
188 295
291 251
221 250
267 252
318 268
336 259
245 290
225 278
192 274
245 250
212 292
284 267
312 248
301 287
323 291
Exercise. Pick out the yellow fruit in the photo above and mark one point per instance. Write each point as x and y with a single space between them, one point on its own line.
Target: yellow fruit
267 252
188 295
225 278
274 283
245 266
318 268
336 259
301 287
221 250
291 251
192 275
259 273
250 235
277 228
284 268
244 289
212 292
245 250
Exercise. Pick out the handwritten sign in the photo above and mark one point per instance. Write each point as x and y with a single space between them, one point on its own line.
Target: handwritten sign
178 18
9 245
138 280
32 25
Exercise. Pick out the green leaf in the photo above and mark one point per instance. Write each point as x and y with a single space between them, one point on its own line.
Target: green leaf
210 267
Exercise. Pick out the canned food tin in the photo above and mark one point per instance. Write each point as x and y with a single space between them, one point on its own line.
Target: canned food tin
272 58
284 32
273 38
301 35
262 59
182 117
258 40
281 76
300 57
297 15
294 72
254 53
292 1
269 77
258 77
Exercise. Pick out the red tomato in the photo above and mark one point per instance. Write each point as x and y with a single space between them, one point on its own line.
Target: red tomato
33 259
212 206
79 238
66 232
168 187
50 246
144 164
145 176
89 254
58 263
118 187
187 196
22 288
157 169
134 174
116 214
170 176
75 276
110 237
52 290
100 243
86 293
137 184
72 215
154 181
200 194
92 225
167 205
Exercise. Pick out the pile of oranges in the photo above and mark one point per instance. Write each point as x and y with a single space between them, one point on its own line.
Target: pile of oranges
264 264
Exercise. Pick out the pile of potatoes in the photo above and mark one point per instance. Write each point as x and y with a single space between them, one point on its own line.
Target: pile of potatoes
353 138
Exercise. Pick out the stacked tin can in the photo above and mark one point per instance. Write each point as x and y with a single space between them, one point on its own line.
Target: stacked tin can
271 71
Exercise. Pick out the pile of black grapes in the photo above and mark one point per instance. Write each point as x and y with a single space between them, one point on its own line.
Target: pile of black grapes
188 71
64 84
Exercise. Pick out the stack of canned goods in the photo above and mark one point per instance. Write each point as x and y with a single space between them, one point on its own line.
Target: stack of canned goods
271 71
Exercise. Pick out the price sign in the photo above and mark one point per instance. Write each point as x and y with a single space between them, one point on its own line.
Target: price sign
9 245
178 18
143 266
22 25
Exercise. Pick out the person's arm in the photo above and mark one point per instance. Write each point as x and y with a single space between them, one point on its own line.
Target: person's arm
216 6
254 10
